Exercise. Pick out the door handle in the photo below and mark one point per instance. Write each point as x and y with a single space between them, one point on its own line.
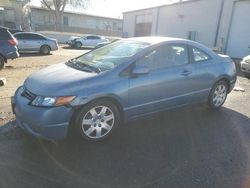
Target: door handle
186 73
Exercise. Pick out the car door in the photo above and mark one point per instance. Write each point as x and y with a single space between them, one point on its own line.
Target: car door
35 41
204 73
93 40
168 83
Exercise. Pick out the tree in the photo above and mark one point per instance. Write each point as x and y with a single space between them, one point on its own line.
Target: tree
58 7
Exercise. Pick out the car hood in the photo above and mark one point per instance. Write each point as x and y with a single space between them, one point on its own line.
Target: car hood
57 80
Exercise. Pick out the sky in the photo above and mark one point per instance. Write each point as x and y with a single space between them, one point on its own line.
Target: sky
114 8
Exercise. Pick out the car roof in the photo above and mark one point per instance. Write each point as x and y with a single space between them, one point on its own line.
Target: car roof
28 33
155 40
92 35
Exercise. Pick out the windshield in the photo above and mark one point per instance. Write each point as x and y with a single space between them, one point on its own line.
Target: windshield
110 56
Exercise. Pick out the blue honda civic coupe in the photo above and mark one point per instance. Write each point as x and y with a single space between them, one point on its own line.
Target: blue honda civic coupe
96 92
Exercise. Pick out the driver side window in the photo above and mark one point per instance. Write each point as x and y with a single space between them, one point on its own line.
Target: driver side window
166 56
148 60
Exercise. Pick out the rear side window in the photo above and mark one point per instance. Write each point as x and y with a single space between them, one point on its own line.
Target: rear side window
93 37
36 37
199 55
26 36
5 35
20 36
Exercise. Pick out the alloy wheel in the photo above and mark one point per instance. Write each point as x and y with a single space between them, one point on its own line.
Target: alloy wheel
219 95
98 122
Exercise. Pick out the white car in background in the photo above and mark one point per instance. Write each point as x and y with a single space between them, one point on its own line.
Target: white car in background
89 41
245 66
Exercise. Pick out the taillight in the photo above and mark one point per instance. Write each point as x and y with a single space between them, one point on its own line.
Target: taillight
12 42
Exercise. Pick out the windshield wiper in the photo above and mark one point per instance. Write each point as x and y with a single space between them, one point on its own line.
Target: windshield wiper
80 65
95 69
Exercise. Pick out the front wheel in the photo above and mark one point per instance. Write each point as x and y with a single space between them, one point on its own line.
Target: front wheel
97 120
218 94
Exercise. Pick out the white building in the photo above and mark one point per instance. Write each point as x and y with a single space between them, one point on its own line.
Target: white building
43 19
224 24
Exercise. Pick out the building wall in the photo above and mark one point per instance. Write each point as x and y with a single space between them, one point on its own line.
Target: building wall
12 15
90 22
200 16
44 19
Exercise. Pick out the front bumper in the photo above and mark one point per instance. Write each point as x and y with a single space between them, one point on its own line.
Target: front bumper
245 67
70 42
50 123
12 55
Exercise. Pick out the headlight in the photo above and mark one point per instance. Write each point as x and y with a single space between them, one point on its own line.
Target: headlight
52 101
247 61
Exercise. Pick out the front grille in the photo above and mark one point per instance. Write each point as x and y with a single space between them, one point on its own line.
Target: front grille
28 95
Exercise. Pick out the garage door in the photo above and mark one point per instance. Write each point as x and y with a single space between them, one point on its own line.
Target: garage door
143 25
239 38
143 29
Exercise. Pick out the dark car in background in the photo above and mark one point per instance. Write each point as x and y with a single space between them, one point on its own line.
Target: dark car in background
35 42
8 46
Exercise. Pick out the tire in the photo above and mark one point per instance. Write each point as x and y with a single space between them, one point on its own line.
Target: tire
45 50
218 94
78 45
97 120
1 62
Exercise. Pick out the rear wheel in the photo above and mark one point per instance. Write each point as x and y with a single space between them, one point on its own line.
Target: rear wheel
218 94
45 49
1 62
97 120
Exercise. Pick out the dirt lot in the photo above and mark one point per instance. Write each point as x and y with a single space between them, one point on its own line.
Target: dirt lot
17 70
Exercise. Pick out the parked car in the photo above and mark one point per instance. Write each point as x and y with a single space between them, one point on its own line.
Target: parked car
8 46
245 66
34 42
127 79
88 41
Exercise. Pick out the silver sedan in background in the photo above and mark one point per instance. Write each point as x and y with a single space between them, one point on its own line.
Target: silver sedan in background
245 66
87 41
34 42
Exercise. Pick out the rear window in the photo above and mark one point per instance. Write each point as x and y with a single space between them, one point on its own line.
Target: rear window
5 35
93 37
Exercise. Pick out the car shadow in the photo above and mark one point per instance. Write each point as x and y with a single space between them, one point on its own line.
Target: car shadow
188 147
72 48
33 54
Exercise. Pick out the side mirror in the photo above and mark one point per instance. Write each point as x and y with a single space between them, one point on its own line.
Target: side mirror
140 70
